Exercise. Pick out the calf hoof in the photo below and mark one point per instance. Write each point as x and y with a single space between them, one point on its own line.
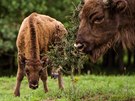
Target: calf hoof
16 94
46 90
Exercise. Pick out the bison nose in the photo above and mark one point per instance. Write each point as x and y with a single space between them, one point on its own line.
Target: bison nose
80 46
33 85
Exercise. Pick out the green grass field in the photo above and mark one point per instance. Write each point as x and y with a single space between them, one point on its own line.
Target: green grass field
83 88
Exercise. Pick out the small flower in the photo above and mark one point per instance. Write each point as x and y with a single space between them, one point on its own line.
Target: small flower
75 80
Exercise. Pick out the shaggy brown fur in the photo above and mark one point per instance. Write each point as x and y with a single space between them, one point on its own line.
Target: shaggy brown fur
36 33
103 23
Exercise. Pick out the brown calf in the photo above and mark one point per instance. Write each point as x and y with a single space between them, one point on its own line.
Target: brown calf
36 33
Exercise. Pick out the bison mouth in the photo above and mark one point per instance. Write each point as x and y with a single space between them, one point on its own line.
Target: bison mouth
33 86
94 51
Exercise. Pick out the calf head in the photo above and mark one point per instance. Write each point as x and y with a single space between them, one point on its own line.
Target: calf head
33 70
99 24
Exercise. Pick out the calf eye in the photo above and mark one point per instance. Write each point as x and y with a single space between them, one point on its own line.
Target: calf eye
98 20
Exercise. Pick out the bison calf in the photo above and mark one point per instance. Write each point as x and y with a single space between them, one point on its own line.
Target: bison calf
36 33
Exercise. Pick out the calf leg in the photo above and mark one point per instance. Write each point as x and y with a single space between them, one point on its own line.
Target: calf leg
20 75
60 80
44 79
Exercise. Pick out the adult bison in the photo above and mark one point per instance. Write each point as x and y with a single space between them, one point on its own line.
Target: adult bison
104 23
36 33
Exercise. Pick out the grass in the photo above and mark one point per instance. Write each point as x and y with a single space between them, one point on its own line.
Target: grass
83 88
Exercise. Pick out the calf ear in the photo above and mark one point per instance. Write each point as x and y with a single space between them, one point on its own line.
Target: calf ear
44 61
121 5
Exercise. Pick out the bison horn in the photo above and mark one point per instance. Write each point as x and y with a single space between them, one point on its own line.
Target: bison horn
77 45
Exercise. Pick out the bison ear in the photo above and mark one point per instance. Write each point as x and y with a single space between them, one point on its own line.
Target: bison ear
44 61
121 5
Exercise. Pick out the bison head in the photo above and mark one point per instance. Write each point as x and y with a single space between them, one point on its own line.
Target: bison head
99 24
33 70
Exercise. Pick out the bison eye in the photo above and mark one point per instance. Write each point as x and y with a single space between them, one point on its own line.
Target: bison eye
98 20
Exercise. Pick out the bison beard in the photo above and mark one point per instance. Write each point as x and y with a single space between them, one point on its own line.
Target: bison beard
36 33
103 23
97 52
